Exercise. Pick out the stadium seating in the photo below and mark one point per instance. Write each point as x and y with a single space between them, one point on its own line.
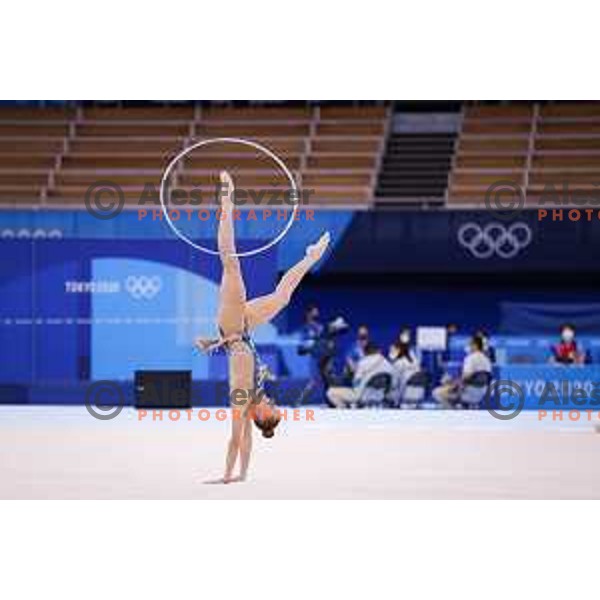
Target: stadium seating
346 146
493 145
30 142
342 154
540 147
567 151
50 157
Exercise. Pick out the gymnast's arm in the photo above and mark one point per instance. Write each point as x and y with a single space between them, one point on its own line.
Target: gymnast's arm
233 447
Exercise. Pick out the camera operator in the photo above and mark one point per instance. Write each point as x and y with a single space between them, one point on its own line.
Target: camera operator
313 344
320 343
357 352
312 328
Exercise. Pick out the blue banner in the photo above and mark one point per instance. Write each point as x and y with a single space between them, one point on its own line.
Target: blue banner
76 309
549 387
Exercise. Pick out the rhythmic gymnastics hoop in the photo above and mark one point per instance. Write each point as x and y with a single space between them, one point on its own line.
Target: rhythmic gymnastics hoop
243 142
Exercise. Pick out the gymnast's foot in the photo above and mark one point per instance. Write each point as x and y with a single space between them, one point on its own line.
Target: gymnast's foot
315 251
226 191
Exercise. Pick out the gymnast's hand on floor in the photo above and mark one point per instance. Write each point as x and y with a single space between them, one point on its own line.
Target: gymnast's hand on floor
315 251
235 479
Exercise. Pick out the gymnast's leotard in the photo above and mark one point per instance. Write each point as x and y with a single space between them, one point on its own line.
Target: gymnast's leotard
261 371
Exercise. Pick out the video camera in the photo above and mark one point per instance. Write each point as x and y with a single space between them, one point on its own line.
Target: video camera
324 345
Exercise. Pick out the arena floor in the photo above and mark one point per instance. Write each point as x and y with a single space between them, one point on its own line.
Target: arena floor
62 452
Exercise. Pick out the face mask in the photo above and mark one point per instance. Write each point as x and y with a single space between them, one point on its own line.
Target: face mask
568 335
405 338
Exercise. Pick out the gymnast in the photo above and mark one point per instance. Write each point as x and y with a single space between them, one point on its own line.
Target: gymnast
236 318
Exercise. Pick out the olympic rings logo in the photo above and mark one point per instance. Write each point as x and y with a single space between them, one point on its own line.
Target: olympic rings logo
143 287
26 234
494 239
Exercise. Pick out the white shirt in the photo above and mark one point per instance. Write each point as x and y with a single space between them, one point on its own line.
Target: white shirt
475 362
404 369
368 367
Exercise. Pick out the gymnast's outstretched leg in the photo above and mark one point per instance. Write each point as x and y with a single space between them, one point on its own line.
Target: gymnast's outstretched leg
263 309
232 295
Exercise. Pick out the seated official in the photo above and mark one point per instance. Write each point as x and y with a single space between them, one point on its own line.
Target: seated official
567 351
476 361
372 364
405 365
404 339
488 349
442 358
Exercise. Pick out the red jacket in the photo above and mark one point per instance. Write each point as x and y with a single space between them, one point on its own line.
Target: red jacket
566 352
